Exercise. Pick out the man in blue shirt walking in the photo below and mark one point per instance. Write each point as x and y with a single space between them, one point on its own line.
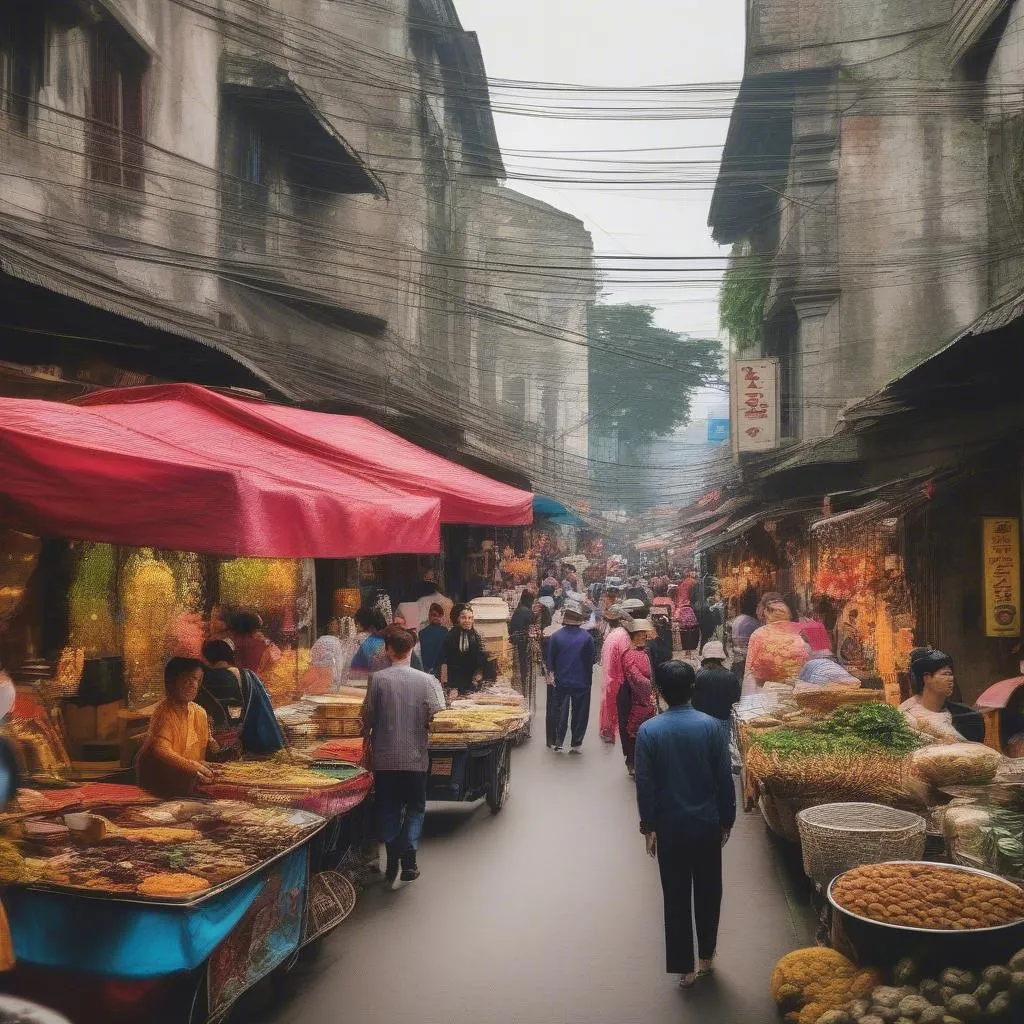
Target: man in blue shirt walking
570 662
687 803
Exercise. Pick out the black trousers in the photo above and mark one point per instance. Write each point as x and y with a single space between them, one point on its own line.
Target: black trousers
624 704
691 881
573 705
551 711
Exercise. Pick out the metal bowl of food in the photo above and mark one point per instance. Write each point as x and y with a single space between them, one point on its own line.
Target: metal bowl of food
873 940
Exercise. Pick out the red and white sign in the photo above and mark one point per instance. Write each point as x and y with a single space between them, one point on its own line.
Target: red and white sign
754 386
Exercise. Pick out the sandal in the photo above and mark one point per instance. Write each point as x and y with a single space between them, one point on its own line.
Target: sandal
687 981
705 968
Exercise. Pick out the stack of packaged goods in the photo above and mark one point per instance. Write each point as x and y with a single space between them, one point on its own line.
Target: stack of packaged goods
489 715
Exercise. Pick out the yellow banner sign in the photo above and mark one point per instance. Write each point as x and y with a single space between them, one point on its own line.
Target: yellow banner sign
1002 576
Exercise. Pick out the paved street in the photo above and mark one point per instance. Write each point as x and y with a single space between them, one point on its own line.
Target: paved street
549 913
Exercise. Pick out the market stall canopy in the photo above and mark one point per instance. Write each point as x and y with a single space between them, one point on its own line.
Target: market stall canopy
554 510
162 477
352 444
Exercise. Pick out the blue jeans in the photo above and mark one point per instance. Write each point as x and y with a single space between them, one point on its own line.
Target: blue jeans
401 799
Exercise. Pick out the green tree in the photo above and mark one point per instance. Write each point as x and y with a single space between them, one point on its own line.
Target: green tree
642 377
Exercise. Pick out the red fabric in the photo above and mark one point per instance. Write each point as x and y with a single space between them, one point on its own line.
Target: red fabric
178 474
350 443
350 750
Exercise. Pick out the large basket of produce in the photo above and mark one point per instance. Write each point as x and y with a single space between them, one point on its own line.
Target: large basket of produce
932 913
837 837
823 699
857 753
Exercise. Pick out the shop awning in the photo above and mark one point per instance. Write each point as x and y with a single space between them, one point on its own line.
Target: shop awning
350 444
555 511
156 480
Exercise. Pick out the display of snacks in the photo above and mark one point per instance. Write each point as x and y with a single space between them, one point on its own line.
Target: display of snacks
172 886
169 851
271 773
469 720
928 896
330 706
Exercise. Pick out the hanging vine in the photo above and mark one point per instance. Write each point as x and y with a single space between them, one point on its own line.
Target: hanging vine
743 296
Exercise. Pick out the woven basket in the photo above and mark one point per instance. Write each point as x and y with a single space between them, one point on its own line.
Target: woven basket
332 897
838 837
780 814
825 700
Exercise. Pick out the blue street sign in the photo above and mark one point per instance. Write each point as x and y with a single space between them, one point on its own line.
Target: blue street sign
718 431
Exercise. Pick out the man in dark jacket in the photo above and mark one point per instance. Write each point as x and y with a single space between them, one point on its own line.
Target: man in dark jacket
519 633
687 804
659 650
716 689
570 662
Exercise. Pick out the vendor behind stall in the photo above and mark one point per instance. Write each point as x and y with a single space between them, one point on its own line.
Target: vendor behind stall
931 710
236 702
172 761
463 658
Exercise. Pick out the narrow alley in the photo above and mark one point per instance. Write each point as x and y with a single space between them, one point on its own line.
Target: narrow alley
549 913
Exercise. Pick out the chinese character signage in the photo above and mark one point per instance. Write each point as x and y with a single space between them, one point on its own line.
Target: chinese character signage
718 430
1002 576
755 404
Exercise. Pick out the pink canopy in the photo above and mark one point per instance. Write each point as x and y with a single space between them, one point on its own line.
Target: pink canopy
349 442
162 476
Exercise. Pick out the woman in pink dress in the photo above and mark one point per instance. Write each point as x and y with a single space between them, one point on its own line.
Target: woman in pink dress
639 682
615 645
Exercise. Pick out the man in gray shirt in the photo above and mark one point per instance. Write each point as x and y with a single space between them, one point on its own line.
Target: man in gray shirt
400 704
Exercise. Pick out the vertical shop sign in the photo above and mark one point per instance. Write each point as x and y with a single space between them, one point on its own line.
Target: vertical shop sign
754 386
1002 576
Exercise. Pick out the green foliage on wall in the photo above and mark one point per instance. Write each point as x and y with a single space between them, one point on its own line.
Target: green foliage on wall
743 296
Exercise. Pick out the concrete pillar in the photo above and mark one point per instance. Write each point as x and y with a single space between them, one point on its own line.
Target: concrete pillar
820 363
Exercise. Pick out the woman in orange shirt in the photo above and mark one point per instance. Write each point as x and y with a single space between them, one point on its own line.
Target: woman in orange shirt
173 758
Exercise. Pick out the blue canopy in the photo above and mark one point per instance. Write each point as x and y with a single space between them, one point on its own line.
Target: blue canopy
555 511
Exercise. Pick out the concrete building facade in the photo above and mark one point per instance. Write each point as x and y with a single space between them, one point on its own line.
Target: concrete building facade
859 161
255 193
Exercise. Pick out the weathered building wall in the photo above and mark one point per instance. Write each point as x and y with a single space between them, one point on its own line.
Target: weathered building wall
882 225
308 188
532 266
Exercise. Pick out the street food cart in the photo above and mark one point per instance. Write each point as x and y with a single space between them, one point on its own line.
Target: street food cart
166 911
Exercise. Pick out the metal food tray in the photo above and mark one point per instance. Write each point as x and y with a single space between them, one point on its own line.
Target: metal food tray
170 901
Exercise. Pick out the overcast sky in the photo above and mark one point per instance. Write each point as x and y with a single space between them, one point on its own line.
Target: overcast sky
609 43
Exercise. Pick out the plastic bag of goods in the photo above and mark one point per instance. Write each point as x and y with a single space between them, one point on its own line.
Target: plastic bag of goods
956 764
986 837
776 655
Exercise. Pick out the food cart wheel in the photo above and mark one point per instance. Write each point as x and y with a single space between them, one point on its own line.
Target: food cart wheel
497 792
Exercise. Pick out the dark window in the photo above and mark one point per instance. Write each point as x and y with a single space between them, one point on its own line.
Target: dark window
782 340
116 150
550 404
513 394
247 157
22 60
